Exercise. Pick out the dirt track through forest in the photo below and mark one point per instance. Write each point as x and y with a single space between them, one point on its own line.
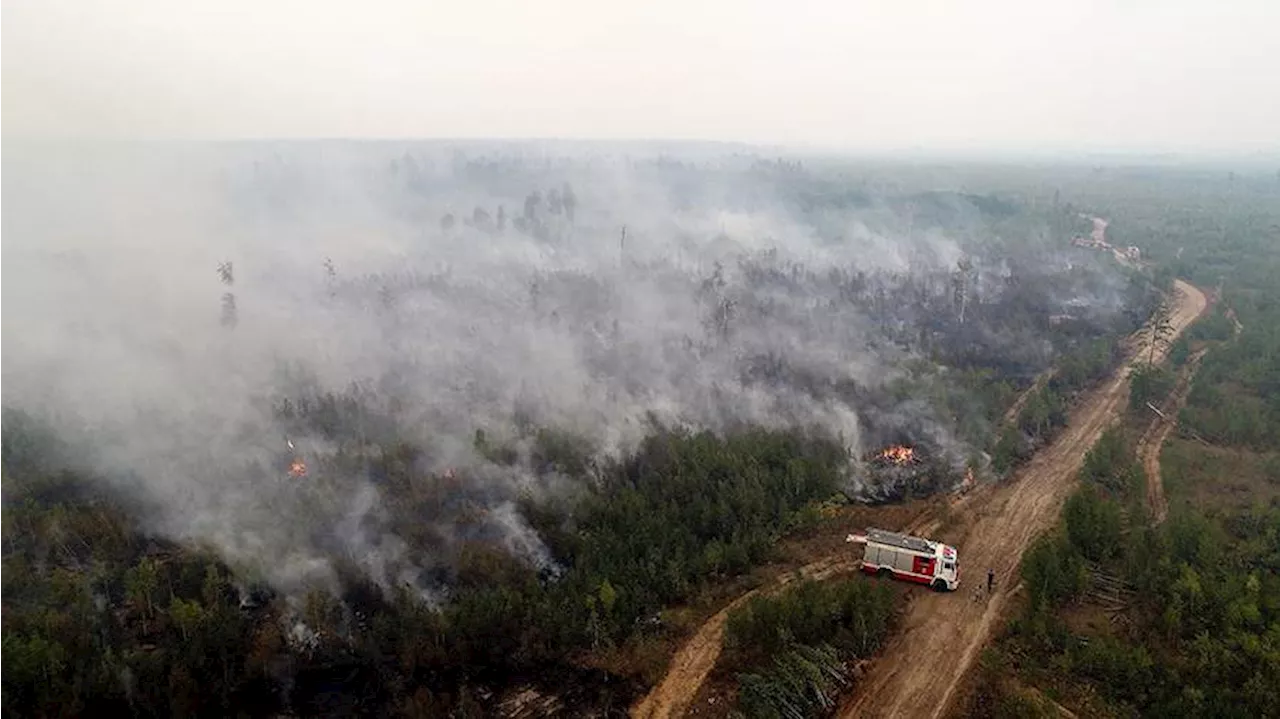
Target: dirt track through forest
1015 409
942 634
1152 440
1158 431
690 666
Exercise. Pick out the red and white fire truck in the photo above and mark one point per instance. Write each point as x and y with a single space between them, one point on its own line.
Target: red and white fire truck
911 558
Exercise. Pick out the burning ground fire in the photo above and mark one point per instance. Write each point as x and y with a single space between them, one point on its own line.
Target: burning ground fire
298 467
898 454
900 471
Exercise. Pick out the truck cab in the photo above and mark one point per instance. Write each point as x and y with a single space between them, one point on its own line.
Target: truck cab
950 572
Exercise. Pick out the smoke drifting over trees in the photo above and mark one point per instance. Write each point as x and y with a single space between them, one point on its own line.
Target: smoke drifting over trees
478 319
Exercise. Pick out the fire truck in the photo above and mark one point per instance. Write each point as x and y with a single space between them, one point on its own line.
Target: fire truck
913 559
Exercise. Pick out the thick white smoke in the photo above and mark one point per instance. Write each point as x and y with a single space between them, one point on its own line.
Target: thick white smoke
438 286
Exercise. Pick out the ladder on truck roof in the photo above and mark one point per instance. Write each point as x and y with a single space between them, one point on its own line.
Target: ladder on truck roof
903 541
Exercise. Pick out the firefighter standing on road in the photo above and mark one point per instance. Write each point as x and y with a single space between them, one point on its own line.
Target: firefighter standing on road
991 579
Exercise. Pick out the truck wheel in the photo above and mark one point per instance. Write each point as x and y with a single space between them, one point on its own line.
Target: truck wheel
939 585
884 573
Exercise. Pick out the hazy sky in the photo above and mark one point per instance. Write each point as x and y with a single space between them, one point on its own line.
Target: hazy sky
967 74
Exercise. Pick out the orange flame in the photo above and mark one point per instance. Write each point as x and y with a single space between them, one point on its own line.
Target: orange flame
297 468
898 454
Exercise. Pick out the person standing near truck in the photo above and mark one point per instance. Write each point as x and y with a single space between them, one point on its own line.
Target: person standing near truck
991 579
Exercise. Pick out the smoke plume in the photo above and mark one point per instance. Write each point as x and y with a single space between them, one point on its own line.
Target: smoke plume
184 313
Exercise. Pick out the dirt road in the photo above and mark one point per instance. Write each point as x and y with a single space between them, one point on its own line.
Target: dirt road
1158 431
1099 233
942 634
690 666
